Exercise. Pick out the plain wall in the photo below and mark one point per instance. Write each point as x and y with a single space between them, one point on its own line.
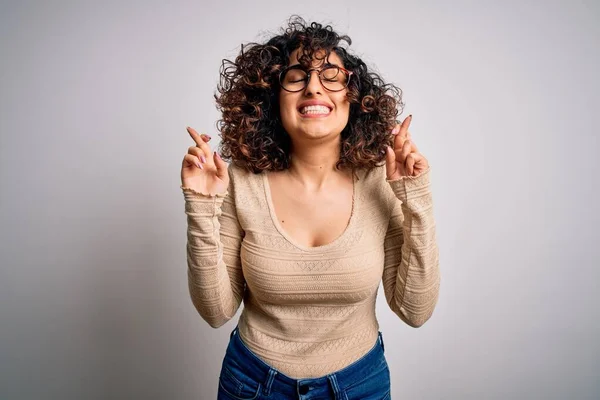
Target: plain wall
94 101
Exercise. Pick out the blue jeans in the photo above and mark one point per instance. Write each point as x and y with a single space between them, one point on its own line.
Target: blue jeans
244 376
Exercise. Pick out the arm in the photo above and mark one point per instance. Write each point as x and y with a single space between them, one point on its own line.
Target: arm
214 238
411 275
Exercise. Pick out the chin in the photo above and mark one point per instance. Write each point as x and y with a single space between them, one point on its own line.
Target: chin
315 129
320 133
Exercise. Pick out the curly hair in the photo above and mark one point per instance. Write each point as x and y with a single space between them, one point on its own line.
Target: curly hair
248 98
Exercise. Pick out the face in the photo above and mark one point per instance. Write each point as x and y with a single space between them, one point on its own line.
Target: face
317 121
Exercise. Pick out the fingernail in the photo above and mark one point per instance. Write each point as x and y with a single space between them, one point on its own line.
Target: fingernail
199 165
410 116
203 159
396 130
206 137
217 154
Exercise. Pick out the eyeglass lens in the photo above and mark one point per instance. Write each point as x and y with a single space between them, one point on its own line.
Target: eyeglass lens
332 78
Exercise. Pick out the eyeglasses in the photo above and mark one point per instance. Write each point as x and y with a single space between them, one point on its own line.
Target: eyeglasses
332 77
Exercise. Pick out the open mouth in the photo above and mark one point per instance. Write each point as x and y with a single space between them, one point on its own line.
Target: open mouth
315 110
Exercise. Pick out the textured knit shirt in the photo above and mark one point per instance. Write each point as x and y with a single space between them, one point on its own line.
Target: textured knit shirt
310 311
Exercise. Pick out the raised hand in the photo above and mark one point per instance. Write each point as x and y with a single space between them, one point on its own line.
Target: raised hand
404 158
203 170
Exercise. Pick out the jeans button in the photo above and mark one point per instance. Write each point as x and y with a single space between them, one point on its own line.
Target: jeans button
303 389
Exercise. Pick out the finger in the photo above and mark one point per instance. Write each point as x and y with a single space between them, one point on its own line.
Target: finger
410 164
390 162
220 164
405 151
398 154
198 137
190 159
420 162
194 135
404 127
402 134
402 152
195 150
418 157
414 148
408 146
201 143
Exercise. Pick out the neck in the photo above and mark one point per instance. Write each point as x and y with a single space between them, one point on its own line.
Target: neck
313 164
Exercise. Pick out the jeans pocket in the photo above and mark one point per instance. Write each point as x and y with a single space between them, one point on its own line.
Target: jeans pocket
376 386
235 384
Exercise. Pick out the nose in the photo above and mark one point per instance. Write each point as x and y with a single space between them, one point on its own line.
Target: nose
313 85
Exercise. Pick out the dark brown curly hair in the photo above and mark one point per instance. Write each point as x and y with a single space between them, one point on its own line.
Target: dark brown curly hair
248 98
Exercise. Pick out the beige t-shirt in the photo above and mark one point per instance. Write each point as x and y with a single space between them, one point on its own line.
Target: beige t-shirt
310 311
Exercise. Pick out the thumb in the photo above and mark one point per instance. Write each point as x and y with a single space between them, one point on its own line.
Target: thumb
221 165
390 161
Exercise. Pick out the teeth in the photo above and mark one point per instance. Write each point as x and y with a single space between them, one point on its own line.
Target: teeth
314 110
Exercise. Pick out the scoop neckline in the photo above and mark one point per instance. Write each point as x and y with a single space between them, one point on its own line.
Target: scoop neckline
292 241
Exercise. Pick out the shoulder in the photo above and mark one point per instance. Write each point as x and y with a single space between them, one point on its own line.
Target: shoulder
239 175
375 188
235 170
374 181
374 173
245 186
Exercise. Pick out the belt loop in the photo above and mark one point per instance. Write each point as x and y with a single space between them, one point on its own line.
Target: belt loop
337 392
381 339
269 383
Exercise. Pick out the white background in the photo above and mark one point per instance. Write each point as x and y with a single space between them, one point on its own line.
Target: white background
94 100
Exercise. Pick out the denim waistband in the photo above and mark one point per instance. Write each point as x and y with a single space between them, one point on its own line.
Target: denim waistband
272 379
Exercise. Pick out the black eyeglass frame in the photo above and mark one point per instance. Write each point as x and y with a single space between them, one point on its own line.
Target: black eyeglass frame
308 72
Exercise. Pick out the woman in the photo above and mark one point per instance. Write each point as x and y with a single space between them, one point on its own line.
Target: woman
325 197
